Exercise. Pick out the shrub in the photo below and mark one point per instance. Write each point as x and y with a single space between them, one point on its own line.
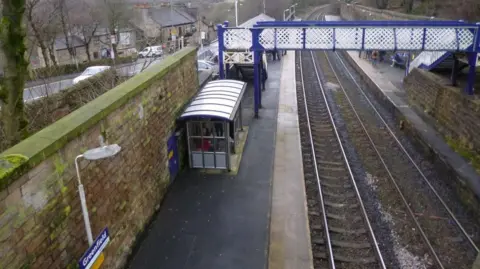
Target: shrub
45 111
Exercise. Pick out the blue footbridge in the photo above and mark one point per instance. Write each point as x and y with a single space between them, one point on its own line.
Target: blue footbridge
437 41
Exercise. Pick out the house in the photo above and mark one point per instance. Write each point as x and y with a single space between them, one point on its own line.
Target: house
160 24
126 42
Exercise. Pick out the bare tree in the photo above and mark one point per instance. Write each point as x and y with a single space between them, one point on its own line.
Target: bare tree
382 4
467 10
64 15
116 15
86 21
408 5
13 48
40 15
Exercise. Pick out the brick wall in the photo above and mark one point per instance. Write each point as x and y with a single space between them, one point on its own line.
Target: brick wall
41 224
457 116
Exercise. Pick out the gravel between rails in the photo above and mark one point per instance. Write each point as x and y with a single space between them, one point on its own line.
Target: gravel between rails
451 247
351 244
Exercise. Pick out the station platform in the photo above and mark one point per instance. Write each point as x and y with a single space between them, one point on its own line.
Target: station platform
256 218
387 84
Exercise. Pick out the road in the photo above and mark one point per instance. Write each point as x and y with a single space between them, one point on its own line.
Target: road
40 91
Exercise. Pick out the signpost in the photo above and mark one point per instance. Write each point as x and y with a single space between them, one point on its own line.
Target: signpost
93 257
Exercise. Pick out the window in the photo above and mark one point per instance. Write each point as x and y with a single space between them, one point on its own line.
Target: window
208 144
195 129
125 39
219 130
220 145
202 144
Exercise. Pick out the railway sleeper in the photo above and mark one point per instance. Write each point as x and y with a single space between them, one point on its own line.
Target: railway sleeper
325 139
339 163
343 195
336 178
319 124
357 260
329 168
347 231
341 258
334 185
342 205
342 244
344 217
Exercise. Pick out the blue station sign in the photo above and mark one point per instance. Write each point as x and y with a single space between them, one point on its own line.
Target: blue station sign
95 250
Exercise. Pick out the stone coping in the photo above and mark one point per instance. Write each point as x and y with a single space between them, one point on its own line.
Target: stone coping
15 161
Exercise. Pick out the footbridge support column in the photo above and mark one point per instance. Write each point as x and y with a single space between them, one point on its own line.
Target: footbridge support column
257 60
472 62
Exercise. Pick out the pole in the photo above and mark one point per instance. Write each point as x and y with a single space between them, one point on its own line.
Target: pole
264 7
83 202
236 13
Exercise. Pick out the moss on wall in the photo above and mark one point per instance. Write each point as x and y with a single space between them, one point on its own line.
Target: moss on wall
8 164
49 140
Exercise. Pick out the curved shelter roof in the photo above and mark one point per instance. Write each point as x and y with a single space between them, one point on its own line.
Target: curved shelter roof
217 99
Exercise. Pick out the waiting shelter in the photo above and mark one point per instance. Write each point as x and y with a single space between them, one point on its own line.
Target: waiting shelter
213 121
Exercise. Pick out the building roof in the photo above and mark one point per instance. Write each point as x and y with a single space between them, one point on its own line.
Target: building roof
251 22
217 99
213 47
170 17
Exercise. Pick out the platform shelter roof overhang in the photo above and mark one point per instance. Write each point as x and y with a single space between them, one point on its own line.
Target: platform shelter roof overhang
455 36
218 99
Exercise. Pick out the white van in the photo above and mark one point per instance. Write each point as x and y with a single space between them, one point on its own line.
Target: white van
153 51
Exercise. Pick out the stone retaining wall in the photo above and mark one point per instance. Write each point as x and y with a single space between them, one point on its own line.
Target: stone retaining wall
358 12
41 224
456 115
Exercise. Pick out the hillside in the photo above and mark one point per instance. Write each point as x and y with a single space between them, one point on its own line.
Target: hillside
448 9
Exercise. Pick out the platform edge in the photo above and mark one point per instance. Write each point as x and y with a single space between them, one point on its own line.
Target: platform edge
289 246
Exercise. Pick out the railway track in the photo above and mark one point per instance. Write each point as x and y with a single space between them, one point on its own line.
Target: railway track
341 232
448 242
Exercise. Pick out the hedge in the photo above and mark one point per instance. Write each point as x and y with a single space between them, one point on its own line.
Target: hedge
45 111
61 70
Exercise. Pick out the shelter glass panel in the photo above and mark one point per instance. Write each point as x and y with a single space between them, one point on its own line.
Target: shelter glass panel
195 128
209 159
219 129
197 160
220 145
221 160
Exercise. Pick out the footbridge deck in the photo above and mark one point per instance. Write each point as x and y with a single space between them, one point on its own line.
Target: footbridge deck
435 36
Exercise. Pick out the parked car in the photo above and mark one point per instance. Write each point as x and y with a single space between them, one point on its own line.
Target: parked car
207 65
153 51
90 72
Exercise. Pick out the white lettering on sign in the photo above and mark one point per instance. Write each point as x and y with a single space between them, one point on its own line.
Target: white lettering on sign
95 250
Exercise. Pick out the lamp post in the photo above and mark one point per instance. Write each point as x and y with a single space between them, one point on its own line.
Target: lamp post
92 155
236 12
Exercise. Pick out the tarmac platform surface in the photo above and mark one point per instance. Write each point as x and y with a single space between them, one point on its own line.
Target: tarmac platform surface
223 220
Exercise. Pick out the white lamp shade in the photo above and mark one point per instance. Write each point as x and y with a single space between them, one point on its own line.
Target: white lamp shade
102 152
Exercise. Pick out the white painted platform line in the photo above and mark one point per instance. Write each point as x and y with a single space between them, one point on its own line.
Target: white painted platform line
289 232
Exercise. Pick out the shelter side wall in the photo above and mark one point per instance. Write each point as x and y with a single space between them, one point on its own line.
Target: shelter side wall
41 224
